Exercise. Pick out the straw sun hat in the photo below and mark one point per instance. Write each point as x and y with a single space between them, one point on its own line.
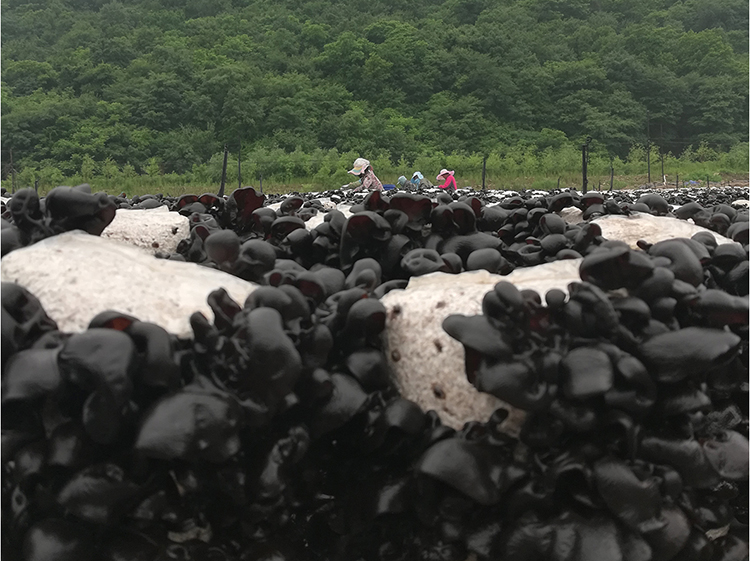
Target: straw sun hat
444 172
360 165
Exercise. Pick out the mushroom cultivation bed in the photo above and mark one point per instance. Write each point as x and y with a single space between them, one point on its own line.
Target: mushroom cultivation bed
479 375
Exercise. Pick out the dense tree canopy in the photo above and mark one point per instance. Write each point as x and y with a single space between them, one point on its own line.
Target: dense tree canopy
166 81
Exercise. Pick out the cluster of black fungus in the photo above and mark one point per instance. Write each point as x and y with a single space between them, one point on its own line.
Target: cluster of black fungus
27 219
276 432
407 234
512 218
123 442
636 388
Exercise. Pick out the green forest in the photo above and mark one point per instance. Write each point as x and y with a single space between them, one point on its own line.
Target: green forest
157 88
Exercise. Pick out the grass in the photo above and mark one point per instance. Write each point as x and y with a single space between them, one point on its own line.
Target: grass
514 167
520 168
175 186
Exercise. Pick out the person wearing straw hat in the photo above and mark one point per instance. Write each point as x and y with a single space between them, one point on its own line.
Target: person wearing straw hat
367 177
450 181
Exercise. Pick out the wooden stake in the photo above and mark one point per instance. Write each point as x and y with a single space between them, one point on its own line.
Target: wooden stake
224 172
583 168
663 177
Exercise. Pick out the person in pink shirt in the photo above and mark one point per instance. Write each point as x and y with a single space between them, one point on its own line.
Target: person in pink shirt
450 181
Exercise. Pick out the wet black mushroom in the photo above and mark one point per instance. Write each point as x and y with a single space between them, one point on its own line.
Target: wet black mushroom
277 432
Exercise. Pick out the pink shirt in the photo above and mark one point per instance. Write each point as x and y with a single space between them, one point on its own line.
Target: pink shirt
450 183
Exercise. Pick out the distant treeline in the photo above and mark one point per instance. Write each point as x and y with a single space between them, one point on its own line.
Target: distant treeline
160 86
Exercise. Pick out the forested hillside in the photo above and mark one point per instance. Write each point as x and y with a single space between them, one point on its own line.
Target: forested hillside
164 84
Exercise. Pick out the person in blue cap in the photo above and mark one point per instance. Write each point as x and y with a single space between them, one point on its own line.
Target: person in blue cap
418 180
